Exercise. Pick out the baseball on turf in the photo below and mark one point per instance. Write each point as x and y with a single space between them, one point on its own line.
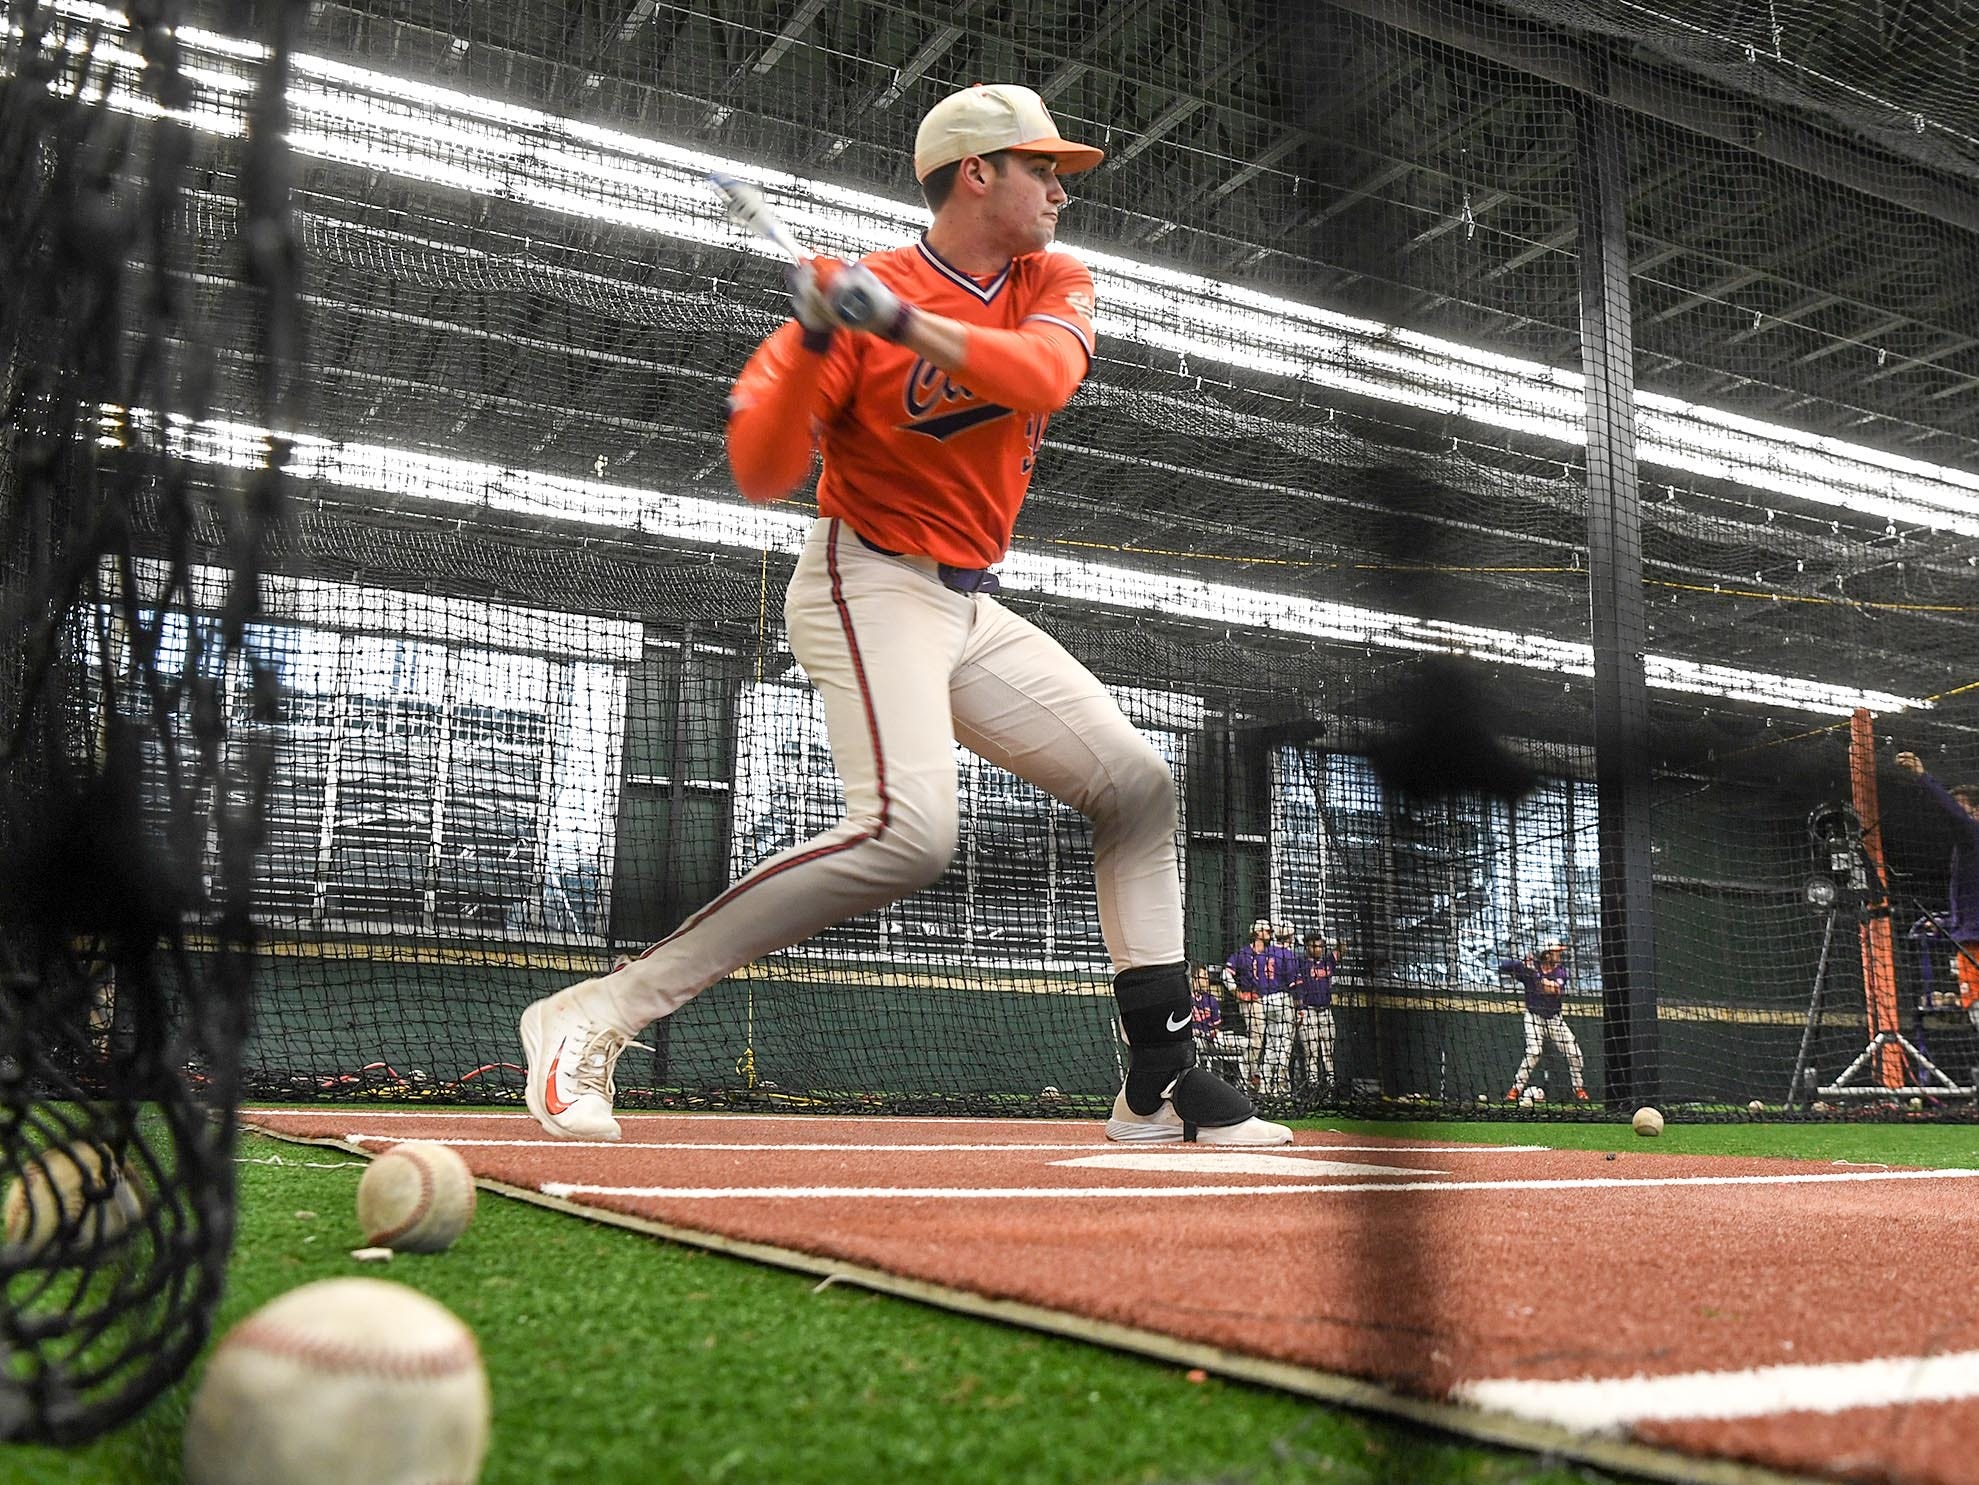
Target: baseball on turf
341 1382
1647 1122
1755 1107
417 1197
72 1198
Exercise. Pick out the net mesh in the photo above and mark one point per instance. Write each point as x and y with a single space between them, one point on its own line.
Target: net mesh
128 808
1320 516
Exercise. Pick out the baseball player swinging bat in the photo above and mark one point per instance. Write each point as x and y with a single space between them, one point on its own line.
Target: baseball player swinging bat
975 335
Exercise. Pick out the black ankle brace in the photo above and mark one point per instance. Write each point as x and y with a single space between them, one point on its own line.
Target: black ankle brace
1155 1009
1155 1012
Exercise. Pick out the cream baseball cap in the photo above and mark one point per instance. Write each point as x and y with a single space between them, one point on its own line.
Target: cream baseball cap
991 117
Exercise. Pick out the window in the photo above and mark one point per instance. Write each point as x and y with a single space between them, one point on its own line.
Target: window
422 782
1433 892
1020 888
1228 866
673 834
1557 884
1303 845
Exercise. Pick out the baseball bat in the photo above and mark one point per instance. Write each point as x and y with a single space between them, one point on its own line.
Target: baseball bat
748 210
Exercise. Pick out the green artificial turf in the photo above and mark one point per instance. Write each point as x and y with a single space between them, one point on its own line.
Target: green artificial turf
1894 1142
614 1357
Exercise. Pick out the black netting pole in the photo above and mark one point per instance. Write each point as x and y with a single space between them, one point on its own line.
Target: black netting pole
1619 624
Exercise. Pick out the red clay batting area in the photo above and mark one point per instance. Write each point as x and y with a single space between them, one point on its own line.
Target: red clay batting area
1812 1318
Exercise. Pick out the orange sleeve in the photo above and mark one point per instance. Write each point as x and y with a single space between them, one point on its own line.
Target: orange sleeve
774 411
1033 369
1039 365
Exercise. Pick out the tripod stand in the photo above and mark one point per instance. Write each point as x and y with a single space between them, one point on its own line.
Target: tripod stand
1813 1005
1836 831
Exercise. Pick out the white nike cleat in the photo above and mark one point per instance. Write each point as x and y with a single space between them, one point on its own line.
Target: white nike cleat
571 1057
1241 1129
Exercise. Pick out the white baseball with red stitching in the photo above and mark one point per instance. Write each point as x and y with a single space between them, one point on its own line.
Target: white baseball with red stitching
416 1198
341 1382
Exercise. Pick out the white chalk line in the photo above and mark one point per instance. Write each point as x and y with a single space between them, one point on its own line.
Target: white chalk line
523 1117
1611 1404
1075 1193
876 1121
548 1142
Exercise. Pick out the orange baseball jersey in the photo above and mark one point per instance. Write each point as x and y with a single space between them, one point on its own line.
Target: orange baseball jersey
913 459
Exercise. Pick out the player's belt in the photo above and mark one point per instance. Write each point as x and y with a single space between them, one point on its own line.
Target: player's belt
956 579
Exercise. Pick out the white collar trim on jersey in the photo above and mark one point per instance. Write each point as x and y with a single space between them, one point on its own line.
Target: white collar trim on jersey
956 275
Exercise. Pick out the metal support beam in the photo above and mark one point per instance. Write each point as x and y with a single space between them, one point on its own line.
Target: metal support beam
1193 103
1255 167
931 51
1924 358
1868 334
1564 238
1799 310
1710 294
795 27
1677 97
640 13
1167 119
1117 19
1620 629
919 63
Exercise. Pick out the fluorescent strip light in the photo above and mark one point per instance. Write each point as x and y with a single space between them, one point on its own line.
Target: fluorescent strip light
323 604
377 469
348 114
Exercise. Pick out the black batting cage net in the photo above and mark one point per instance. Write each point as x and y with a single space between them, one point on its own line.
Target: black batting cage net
1527 488
131 790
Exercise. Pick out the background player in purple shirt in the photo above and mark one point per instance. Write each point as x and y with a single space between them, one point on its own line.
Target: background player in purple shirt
1280 1013
1312 992
1961 922
1544 977
1206 1014
1258 973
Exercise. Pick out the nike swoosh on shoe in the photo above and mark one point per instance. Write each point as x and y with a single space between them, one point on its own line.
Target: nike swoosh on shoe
550 1100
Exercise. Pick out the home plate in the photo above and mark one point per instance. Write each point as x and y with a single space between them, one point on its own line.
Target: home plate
1238 1163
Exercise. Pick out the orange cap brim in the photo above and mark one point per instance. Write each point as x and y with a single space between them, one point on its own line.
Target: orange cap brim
1072 158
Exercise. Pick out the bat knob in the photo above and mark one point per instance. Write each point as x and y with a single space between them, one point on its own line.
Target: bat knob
854 306
859 301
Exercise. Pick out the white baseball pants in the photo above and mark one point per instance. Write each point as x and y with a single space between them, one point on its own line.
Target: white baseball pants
1316 1041
1538 1031
906 668
1268 1030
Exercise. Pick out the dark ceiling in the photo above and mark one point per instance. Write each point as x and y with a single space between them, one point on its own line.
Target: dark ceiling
1409 162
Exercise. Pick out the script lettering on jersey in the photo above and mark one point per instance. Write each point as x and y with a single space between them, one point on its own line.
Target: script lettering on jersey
1033 438
939 408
